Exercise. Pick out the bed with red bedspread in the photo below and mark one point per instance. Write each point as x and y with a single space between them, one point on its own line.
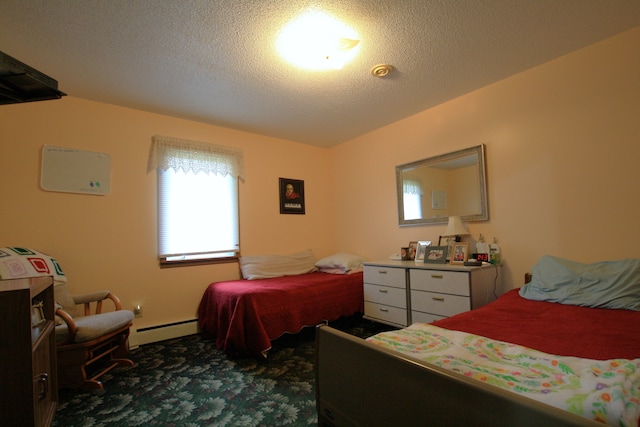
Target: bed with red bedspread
243 316
562 350
568 330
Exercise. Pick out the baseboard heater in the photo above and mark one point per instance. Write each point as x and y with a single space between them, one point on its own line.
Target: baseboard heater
163 332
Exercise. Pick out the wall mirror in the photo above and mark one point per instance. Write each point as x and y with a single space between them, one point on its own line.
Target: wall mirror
430 190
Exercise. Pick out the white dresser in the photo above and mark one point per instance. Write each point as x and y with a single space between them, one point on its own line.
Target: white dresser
400 293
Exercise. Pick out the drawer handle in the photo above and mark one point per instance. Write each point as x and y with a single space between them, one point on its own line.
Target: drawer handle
438 299
384 310
382 271
384 291
437 276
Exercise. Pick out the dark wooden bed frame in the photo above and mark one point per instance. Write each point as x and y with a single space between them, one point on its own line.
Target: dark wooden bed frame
361 384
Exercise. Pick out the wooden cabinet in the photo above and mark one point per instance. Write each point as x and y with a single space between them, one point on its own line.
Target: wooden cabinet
400 293
28 383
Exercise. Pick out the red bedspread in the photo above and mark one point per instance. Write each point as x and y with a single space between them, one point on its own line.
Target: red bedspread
566 330
245 315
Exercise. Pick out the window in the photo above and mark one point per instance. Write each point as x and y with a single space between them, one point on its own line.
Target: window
412 199
197 200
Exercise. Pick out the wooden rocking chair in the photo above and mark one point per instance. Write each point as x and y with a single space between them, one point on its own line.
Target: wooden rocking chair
89 344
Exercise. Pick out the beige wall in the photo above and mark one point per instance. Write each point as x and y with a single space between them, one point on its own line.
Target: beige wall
562 151
109 242
563 146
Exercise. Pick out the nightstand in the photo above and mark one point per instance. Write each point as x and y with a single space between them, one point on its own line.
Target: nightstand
28 381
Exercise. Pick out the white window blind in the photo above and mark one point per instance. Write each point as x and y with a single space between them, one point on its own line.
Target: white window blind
412 199
197 199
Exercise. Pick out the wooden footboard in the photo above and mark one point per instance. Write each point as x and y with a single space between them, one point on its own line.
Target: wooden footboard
360 384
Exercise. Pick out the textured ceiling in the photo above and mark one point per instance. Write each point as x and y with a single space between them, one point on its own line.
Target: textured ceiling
215 62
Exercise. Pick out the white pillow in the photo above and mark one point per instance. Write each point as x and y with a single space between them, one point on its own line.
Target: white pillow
341 263
265 266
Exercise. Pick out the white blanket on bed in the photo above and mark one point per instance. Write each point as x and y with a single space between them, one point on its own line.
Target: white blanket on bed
606 391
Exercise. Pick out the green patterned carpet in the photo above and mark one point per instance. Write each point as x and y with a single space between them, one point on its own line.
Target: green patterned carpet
189 382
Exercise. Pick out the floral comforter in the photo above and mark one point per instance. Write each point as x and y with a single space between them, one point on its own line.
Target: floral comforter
607 391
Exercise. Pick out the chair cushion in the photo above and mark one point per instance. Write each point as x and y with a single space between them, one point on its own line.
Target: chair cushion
92 327
64 298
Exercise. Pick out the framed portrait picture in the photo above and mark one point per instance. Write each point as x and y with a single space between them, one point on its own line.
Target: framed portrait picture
421 249
291 196
436 255
413 247
459 252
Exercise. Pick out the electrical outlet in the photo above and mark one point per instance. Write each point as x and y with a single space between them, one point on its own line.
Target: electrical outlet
137 310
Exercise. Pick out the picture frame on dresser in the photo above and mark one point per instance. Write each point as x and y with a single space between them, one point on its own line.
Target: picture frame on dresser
459 253
436 255
421 250
448 242
413 247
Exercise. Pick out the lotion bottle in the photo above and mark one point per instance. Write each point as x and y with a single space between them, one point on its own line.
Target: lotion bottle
494 252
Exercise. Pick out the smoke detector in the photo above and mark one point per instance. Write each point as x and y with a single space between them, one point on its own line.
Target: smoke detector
381 70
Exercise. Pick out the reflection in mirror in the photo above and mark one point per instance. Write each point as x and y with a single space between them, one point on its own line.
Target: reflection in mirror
431 190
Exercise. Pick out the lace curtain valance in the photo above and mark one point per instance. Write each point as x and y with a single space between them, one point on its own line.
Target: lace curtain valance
411 187
173 153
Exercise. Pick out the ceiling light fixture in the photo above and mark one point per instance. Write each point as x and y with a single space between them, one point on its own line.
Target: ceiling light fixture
317 41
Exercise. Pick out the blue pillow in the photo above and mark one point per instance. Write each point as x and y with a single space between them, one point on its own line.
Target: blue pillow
607 284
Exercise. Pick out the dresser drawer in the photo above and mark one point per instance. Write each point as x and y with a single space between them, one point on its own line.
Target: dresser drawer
386 295
387 276
385 313
441 304
446 282
420 317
